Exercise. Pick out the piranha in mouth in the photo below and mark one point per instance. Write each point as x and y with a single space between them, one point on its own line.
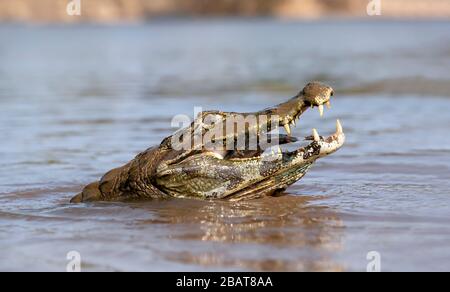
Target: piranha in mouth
197 172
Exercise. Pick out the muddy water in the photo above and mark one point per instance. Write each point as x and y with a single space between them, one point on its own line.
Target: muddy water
78 101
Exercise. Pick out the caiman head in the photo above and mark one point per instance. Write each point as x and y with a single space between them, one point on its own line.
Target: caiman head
238 155
224 155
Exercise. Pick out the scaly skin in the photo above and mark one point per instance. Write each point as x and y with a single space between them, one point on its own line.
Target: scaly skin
202 172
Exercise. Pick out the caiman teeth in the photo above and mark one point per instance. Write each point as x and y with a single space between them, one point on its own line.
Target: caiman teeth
288 129
328 104
316 135
279 150
321 110
339 128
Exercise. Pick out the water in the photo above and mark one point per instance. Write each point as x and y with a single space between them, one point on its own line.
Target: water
78 101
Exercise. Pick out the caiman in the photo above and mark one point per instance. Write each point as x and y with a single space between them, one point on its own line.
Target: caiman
199 172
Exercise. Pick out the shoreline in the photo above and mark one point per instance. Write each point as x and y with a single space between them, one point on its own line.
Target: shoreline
113 11
236 19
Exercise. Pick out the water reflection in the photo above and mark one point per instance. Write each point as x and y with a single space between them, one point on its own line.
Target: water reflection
273 234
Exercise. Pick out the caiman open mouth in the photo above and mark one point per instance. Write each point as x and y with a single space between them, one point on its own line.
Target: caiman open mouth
288 114
243 172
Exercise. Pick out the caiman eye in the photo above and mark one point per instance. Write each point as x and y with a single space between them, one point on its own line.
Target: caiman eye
332 93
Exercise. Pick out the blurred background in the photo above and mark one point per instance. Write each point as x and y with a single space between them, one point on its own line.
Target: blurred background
141 10
80 95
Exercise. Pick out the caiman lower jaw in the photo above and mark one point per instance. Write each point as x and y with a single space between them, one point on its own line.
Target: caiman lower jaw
319 147
328 145
282 169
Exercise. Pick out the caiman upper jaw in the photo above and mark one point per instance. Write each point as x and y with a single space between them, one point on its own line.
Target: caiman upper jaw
284 115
